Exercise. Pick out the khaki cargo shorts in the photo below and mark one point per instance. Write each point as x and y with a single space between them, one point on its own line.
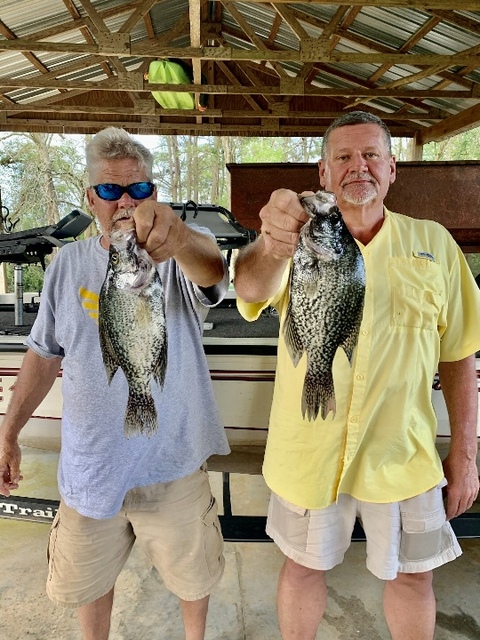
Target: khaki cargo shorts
175 523
411 536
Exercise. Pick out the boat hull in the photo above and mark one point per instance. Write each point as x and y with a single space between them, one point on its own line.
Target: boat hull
243 385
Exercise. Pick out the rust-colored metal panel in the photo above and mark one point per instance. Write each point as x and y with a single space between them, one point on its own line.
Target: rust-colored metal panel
448 192
252 184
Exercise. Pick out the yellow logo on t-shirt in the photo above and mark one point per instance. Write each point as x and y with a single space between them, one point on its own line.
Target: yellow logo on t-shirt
90 302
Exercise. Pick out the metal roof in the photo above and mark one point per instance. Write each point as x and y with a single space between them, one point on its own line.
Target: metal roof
279 68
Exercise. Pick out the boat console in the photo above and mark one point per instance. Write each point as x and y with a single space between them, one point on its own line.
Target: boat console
32 245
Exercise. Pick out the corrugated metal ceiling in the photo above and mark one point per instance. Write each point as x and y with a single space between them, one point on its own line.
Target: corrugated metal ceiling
312 60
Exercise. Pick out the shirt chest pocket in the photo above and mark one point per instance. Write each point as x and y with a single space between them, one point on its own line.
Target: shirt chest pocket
417 292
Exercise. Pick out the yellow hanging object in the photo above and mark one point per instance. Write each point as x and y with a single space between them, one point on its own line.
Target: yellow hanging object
172 72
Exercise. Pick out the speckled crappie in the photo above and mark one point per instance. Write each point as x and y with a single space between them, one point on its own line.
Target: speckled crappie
325 309
132 328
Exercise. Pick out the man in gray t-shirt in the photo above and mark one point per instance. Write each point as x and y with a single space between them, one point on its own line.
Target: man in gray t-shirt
115 489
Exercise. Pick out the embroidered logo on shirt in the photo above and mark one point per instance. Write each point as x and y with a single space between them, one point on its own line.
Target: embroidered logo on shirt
89 302
425 255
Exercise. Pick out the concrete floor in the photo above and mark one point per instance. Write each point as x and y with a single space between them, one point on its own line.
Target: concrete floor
242 608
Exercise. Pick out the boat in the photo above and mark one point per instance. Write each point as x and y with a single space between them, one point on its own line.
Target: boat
242 359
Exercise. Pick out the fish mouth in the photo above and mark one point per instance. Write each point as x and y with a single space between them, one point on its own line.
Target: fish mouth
120 237
137 272
321 203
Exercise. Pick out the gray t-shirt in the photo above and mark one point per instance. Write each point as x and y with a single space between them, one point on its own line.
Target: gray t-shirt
98 464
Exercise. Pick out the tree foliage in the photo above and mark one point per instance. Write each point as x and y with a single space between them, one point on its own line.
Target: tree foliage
42 178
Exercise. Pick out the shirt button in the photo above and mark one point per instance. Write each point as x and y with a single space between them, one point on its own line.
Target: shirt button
360 376
364 332
354 419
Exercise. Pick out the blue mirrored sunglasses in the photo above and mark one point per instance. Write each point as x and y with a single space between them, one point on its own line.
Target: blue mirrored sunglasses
137 190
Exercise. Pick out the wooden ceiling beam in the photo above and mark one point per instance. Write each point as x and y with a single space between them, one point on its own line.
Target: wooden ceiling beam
151 108
118 45
460 122
252 36
465 5
157 126
140 12
458 20
430 24
134 79
78 22
114 64
344 33
8 33
85 31
236 82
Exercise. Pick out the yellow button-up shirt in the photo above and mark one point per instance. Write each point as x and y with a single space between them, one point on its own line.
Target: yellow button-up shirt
421 306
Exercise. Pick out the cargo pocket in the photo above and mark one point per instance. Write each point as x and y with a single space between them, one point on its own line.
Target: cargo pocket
212 538
52 541
423 534
290 521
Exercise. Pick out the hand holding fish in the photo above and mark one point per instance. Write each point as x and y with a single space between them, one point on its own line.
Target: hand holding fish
164 235
259 267
282 219
159 231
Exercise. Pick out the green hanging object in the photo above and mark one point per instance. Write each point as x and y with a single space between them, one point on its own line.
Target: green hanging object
172 71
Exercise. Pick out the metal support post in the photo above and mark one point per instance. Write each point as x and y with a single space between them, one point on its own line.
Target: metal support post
18 286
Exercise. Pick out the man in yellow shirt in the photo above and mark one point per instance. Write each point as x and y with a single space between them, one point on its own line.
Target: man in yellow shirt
376 457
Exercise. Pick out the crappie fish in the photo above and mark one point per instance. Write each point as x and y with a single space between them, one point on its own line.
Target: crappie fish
325 309
132 328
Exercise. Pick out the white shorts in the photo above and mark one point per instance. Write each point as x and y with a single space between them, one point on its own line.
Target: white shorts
411 536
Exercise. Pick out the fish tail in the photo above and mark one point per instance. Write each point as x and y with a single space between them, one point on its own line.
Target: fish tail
318 394
140 416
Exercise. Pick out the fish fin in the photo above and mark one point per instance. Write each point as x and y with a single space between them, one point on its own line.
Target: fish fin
160 367
140 416
318 394
350 342
331 405
292 339
348 347
311 281
109 362
312 288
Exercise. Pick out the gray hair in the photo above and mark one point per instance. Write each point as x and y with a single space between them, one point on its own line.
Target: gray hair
357 117
116 144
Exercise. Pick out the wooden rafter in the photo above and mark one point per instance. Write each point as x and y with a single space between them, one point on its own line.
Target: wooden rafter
280 68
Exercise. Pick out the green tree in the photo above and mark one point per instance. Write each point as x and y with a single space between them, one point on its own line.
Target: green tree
43 179
464 146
